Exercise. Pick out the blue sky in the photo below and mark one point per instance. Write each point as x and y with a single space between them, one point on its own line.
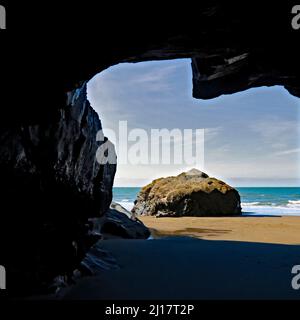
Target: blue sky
251 137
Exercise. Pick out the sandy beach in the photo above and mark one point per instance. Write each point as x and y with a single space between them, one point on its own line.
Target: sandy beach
280 230
189 268
249 258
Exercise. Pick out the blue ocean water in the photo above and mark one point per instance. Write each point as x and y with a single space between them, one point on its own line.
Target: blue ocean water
255 201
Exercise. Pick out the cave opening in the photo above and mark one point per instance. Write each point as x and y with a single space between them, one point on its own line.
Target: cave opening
249 139
52 184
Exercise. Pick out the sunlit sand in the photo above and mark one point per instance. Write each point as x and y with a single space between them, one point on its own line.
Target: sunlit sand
280 230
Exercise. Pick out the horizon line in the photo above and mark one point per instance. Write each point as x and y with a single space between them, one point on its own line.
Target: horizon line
284 186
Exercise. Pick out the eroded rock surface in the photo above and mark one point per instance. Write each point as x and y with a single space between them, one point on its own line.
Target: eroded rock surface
51 183
191 193
118 222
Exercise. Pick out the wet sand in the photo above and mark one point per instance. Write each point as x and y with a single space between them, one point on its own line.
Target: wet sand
280 230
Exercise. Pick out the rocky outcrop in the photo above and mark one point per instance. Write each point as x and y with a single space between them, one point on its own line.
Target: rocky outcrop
191 193
51 184
118 222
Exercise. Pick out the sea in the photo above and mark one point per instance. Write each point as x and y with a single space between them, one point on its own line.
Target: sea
257 201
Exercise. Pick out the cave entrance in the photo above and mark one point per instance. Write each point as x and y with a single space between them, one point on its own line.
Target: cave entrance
248 139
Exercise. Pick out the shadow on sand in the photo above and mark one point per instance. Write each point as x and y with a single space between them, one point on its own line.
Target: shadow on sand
189 268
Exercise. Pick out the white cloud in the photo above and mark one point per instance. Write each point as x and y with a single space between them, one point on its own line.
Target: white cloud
212 133
277 133
287 152
157 74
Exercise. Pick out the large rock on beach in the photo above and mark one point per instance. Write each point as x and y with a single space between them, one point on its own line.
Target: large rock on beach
191 193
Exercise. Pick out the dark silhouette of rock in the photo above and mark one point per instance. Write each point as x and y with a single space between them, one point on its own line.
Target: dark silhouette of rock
118 222
52 184
191 193
230 52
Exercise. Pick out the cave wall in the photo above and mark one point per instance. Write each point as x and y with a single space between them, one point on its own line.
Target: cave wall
51 183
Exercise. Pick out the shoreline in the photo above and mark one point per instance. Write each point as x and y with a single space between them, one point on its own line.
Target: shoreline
276 230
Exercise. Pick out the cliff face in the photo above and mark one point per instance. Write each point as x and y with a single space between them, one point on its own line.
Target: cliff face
74 138
51 183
